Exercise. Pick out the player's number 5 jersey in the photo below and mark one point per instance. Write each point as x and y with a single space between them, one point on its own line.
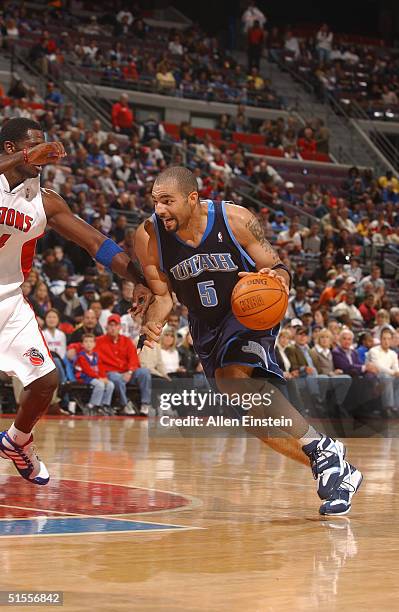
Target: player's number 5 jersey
203 277
22 222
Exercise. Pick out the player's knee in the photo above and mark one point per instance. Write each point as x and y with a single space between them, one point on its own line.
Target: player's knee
46 385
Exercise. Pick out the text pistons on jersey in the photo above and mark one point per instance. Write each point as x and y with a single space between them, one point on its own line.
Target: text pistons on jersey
14 218
203 262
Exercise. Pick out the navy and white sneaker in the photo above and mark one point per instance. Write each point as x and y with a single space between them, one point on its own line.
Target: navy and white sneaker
337 479
339 501
25 459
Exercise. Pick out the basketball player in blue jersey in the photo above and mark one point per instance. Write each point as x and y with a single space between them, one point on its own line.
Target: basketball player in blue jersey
198 249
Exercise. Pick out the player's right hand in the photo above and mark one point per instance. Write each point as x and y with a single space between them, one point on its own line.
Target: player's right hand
153 332
45 153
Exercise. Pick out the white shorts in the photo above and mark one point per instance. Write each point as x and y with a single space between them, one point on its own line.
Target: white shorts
23 350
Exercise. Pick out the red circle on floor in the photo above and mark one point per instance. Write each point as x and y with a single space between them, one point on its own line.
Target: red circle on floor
20 499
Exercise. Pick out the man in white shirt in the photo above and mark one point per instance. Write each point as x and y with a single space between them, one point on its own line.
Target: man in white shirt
349 309
386 361
251 15
125 15
290 239
291 44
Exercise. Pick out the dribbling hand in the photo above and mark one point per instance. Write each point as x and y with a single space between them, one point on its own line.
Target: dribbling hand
269 272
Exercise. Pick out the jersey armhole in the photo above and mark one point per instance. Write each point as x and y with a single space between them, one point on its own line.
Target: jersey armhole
244 255
158 237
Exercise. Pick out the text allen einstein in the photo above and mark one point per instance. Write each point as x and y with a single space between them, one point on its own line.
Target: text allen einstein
222 421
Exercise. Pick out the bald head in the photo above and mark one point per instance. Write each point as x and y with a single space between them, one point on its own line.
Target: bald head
180 177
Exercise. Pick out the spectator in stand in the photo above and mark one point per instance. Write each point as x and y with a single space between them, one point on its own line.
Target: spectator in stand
312 197
324 41
265 173
89 369
389 97
170 354
298 304
394 314
300 277
322 358
346 358
107 300
125 303
53 98
88 296
321 273
89 325
374 278
279 224
189 360
389 182
151 129
252 14
68 304
312 240
347 312
301 362
307 143
256 39
365 343
334 293
284 340
385 360
381 322
41 302
122 116
55 338
121 364
291 44
151 358
175 46
290 239
165 80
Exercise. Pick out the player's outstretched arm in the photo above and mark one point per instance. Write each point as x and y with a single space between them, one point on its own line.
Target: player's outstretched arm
251 236
159 309
102 249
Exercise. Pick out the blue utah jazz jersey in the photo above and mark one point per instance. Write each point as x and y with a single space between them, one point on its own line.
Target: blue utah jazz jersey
204 277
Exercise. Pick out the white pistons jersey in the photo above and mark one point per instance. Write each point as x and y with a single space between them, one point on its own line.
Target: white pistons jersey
23 350
22 222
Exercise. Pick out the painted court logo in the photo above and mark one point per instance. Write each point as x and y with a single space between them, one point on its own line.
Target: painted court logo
35 357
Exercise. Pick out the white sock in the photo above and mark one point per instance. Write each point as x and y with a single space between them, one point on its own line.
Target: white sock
18 436
310 436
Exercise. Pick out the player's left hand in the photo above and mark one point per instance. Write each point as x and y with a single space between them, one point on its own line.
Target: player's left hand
142 298
272 273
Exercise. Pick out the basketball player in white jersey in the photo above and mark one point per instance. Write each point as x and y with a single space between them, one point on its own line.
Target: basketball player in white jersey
25 211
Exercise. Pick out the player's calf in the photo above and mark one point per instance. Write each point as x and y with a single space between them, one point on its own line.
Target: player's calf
16 444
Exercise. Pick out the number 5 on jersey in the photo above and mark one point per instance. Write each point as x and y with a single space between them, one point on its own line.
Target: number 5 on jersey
207 294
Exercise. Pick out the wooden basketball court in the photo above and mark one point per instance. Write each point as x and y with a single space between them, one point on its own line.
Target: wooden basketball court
134 522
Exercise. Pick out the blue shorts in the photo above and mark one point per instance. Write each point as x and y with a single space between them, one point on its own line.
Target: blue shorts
229 343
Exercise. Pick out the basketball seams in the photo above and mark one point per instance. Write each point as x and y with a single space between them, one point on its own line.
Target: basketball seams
264 308
257 317
243 295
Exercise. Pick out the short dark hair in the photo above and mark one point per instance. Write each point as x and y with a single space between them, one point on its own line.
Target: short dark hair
184 178
17 129
88 336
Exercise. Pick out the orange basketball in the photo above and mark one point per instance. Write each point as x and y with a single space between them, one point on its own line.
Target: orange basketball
259 301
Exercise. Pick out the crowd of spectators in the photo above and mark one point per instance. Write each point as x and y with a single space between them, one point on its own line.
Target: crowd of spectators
362 72
340 321
124 50
107 180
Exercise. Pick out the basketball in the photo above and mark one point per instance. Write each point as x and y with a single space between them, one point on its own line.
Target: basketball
259 301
